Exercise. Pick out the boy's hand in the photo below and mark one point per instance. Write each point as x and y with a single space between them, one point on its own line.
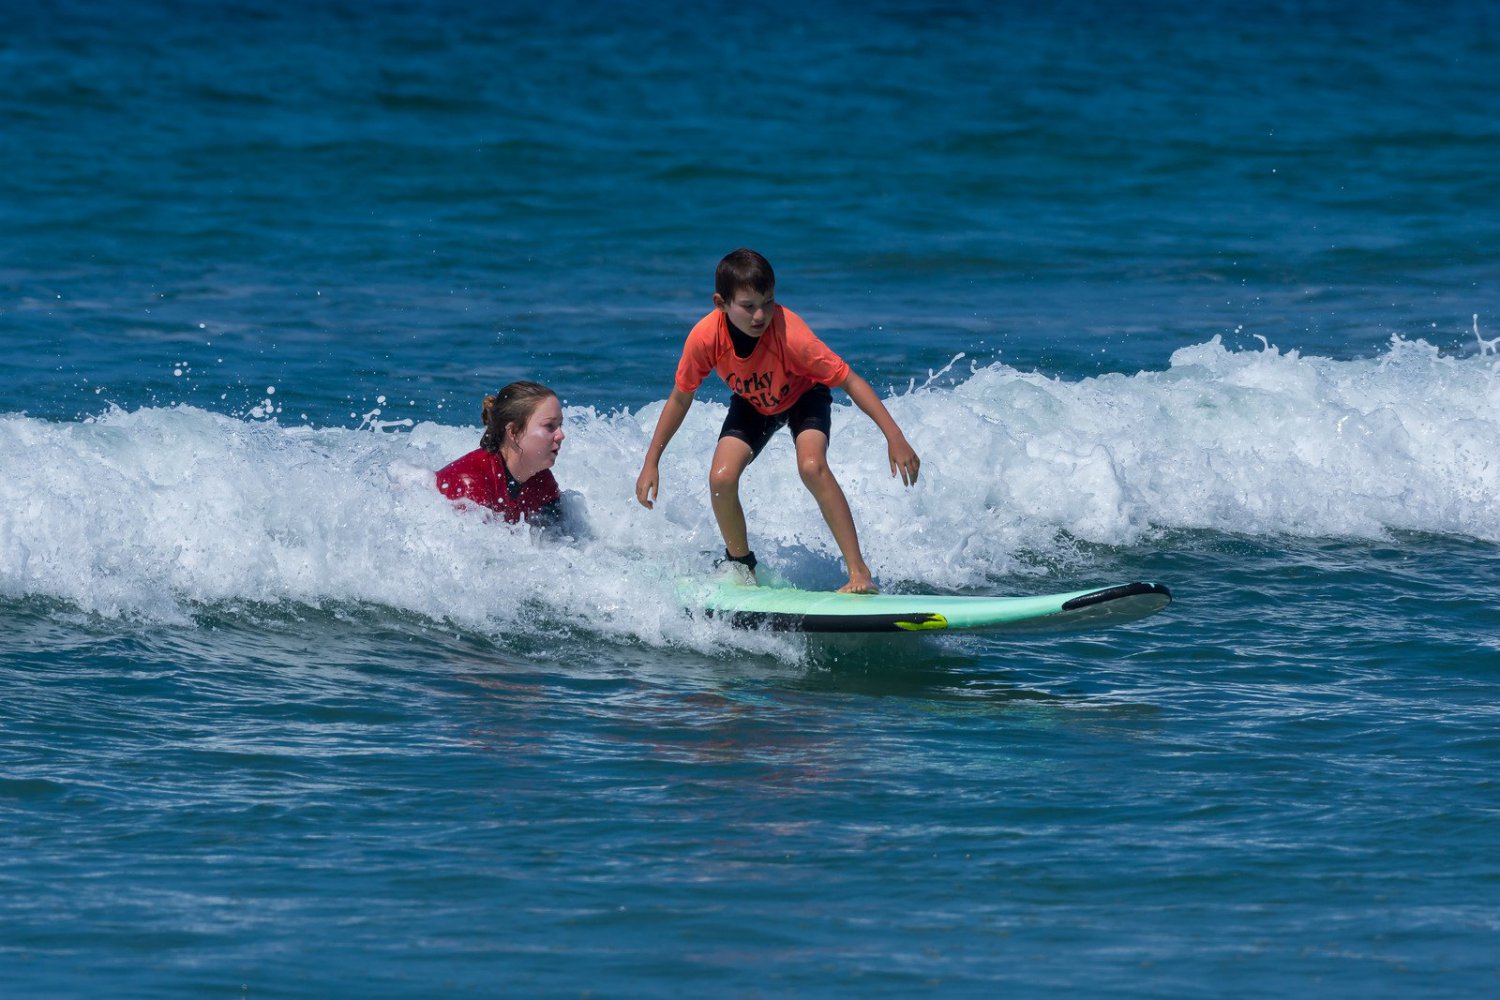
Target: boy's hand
904 461
673 412
645 485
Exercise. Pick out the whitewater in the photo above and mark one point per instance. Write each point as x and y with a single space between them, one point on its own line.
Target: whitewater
157 511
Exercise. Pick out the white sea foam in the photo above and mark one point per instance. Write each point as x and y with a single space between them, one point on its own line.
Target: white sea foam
155 511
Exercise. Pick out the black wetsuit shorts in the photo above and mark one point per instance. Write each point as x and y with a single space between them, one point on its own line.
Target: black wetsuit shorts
813 411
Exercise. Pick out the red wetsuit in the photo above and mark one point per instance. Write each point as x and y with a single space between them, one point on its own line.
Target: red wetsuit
481 477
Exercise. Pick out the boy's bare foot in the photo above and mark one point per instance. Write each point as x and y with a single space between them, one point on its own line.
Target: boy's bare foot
859 583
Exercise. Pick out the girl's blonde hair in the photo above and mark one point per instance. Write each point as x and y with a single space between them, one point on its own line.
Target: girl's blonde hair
510 407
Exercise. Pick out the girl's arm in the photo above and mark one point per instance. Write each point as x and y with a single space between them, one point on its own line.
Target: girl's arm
672 416
903 459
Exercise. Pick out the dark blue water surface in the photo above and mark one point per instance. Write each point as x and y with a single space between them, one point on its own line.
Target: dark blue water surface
1189 292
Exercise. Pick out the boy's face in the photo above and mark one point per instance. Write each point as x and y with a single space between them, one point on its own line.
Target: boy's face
749 310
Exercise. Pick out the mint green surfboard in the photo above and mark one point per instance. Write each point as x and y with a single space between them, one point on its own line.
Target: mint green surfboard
789 609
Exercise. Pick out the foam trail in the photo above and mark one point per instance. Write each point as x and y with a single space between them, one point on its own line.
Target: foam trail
158 511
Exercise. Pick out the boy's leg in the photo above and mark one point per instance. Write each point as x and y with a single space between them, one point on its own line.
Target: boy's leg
812 463
731 457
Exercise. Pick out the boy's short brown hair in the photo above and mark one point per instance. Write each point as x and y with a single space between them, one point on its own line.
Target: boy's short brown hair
743 268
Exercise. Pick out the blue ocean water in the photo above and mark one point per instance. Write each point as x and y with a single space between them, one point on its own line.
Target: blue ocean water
1201 293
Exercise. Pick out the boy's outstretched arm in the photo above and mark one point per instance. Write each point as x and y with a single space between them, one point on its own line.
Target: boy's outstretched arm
672 415
903 458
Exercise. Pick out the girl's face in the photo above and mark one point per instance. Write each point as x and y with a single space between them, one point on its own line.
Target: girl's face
538 442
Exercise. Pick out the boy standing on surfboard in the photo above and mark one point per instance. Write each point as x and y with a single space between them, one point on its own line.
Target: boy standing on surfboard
780 374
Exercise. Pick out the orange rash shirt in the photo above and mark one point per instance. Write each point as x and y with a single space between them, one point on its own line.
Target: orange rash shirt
787 361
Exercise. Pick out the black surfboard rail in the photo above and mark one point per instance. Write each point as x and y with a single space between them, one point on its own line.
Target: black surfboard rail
1107 606
1115 593
777 621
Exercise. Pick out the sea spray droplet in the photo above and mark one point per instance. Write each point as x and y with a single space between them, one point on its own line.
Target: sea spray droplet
1486 347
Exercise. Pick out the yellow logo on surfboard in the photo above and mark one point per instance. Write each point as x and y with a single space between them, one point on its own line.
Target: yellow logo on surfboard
928 621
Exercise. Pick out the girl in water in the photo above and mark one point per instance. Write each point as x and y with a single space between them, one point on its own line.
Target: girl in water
511 470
